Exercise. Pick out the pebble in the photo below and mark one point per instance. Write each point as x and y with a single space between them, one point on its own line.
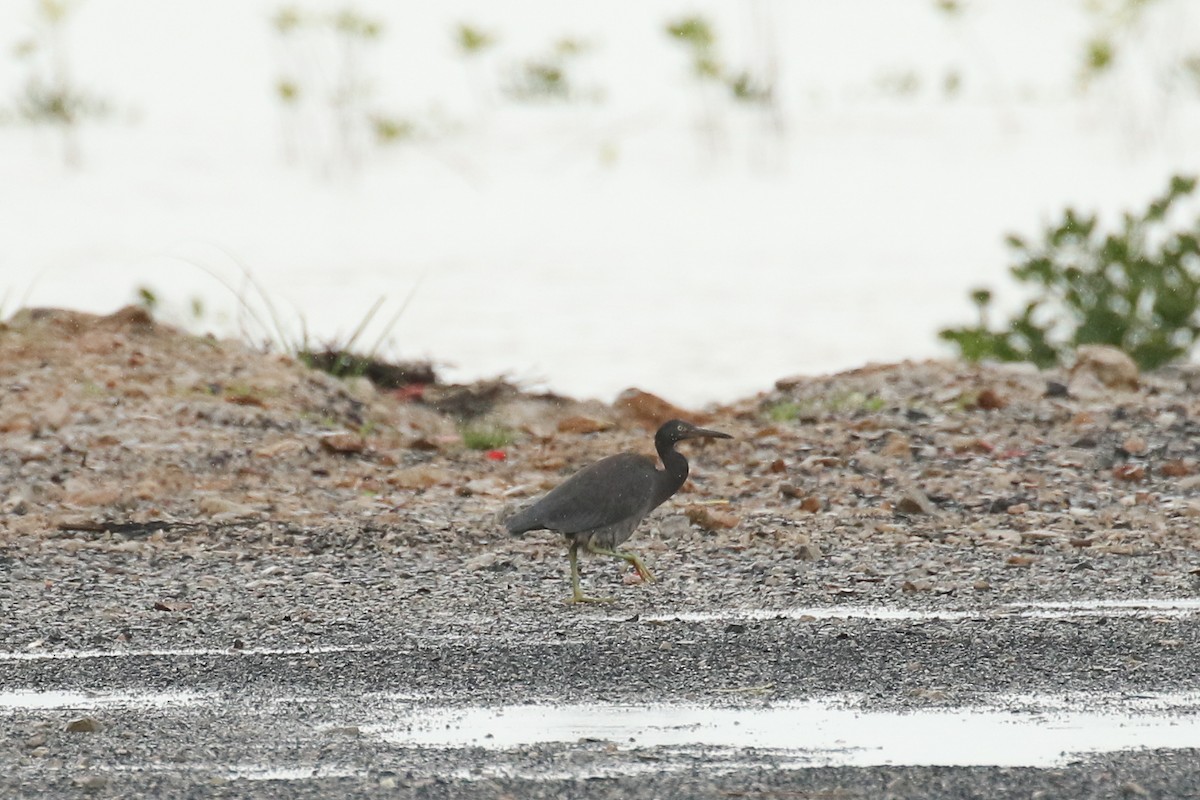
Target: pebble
84 725
92 782
1109 367
582 425
343 442
915 501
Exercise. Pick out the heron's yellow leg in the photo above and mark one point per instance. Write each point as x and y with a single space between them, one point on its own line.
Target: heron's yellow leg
577 595
632 558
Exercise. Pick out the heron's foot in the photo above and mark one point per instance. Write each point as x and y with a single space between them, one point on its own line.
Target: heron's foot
632 558
642 571
580 597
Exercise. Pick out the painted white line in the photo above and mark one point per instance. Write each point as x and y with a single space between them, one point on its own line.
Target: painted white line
37 655
1147 607
1079 608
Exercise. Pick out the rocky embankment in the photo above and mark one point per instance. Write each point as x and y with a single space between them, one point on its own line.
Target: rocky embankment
890 481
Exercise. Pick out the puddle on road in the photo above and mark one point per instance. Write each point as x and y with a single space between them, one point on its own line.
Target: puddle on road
32 700
263 772
1047 731
1014 730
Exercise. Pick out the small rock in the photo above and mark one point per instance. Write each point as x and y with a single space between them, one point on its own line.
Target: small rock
245 399
94 497
419 477
871 463
1110 367
15 503
811 504
1129 472
343 442
1176 469
56 415
213 505
581 424
281 449
898 446
819 463
1134 446
128 318
990 400
915 501
1135 789
1056 389
711 519
485 560
483 486
650 410
84 725
674 525
92 782
361 387
172 606
806 550
33 452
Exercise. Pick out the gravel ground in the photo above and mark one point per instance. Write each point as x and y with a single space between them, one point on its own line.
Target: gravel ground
308 550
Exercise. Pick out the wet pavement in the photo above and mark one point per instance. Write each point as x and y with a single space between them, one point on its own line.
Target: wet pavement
1075 699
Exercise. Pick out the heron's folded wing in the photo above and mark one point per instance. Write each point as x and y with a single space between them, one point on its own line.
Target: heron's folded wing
613 489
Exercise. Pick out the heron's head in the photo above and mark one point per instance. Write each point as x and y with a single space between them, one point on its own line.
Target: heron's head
677 430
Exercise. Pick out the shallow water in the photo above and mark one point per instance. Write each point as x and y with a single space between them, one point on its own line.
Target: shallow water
594 246
31 700
742 729
1032 730
1045 731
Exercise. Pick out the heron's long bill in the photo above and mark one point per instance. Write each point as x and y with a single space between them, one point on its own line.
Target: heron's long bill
704 433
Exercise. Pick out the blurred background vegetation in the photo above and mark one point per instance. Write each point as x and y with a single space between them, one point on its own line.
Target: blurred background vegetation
331 92
1132 284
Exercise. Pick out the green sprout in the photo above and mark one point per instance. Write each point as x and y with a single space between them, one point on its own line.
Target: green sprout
486 436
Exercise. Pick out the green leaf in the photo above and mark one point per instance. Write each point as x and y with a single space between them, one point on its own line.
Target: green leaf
1135 286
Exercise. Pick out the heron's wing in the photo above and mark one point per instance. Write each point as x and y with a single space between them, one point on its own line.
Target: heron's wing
611 490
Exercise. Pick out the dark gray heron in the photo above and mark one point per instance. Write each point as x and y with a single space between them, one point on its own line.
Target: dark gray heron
600 506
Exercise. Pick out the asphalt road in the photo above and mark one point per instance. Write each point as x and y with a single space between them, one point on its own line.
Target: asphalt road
327 716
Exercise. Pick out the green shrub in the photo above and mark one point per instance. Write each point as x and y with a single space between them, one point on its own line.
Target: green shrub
1136 288
549 77
486 437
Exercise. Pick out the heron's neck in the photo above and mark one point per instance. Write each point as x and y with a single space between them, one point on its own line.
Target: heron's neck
675 472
